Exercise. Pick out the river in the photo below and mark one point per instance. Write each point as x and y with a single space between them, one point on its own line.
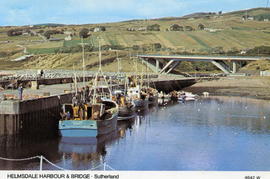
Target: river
213 134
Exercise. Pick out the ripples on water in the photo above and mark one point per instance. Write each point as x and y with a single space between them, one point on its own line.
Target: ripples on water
227 134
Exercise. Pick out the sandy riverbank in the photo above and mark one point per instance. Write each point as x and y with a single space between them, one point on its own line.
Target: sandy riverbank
255 87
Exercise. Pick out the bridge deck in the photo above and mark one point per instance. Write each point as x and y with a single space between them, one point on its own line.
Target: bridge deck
204 58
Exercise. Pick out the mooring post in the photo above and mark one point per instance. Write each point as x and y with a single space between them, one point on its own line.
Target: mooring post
40 164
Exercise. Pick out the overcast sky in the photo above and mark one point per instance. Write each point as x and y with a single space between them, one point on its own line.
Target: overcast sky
25 12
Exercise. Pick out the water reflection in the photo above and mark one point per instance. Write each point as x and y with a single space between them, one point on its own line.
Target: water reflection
18 147
88 153
217 133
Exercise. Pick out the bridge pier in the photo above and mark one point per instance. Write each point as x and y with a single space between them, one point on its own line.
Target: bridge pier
225 67
157 66
222 66
234 67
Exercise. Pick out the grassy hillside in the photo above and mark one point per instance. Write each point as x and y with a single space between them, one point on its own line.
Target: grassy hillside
228 32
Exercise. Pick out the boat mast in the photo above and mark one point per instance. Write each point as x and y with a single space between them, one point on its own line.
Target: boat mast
83 62
142 74
147 75
100 72
75 81
118 64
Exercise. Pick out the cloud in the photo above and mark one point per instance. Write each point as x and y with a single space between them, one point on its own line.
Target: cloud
20 12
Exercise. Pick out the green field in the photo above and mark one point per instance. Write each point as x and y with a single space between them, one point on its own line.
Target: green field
229 31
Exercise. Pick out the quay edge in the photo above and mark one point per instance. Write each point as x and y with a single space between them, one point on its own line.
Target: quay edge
40 116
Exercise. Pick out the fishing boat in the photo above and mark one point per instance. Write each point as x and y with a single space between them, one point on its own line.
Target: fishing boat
88 120
187 96
152 96
126 106
139 98
163 99
96 117
174 96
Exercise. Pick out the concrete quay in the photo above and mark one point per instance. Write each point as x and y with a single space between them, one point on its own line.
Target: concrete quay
38 114
31 117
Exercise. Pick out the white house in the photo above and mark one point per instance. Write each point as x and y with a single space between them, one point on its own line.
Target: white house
67 38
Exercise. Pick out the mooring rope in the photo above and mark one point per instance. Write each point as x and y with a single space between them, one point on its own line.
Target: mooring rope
17 160
96 167
49 162
109 167
56 166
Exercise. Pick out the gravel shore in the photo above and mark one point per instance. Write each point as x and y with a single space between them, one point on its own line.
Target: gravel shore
255 87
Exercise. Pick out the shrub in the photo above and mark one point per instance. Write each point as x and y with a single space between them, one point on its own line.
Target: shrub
14 32
176 27
84 33
189 28
201 27
48 33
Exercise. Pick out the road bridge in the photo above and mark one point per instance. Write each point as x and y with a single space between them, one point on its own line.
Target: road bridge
172 61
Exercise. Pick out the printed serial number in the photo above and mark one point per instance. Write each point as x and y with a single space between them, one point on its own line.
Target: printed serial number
252 177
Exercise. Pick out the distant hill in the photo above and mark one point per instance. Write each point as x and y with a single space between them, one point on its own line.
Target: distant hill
253 11
225 33
49 25
199 14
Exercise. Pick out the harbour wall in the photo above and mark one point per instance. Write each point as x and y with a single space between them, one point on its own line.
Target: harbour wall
35 117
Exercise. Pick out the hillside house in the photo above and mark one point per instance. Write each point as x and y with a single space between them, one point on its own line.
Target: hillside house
67 32
55 39
131 29
142 29
243 52
99 29
25 33
245 18
68 38
212 30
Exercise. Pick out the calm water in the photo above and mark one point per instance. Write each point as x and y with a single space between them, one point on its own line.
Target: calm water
227 134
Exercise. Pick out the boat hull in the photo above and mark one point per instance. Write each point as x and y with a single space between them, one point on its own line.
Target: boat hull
153 100
87 128
141 104
126 113
78 128
108 125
